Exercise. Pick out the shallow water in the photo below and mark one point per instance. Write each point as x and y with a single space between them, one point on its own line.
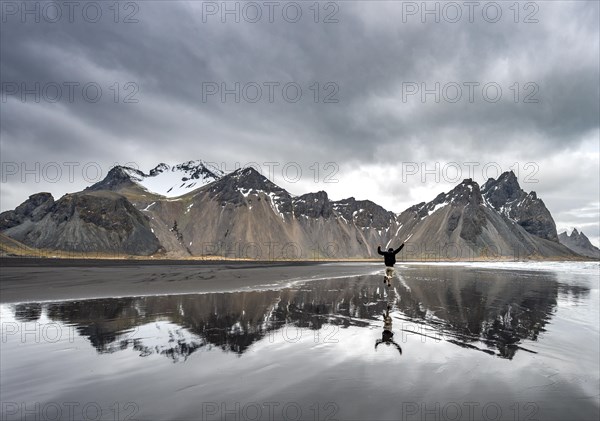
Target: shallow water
513 342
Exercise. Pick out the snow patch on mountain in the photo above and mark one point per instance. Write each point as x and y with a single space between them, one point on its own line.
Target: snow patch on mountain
174 181
245 192
436 207
275 202
149 206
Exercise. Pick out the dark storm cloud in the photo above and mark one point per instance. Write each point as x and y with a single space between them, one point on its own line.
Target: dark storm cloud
170 52
370 54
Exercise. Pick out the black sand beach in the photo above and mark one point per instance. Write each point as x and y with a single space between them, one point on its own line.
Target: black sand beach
299 341
67 279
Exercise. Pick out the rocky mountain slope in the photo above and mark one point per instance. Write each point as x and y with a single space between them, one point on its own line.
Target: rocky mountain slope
244 215
464 224
579 243
100 221
506 196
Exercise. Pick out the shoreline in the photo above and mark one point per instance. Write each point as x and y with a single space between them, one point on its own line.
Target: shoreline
25 261
47 280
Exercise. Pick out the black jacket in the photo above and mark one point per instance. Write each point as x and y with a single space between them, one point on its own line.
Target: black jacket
389 256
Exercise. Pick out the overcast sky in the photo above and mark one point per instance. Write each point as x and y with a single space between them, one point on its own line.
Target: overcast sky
371 93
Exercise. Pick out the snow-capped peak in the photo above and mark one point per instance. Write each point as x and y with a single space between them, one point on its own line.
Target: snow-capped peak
175 180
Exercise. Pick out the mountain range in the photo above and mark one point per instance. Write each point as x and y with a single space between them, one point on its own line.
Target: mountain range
579 243
194 209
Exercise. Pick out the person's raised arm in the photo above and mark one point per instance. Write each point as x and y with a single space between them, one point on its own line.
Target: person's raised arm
379 250
398 249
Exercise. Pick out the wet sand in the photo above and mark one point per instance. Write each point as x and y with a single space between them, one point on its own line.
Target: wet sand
476 342
23 280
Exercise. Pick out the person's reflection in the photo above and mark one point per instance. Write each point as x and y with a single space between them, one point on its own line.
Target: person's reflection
387 336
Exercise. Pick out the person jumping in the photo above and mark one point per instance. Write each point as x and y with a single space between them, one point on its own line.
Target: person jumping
389 258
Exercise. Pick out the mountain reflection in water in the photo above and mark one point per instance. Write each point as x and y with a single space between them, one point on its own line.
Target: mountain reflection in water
492 313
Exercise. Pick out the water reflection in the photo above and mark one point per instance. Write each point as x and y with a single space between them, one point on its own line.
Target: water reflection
499 309
493 312
28 312
387 336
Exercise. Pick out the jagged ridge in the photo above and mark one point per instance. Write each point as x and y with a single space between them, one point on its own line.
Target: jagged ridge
579 243
243 209
526 209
